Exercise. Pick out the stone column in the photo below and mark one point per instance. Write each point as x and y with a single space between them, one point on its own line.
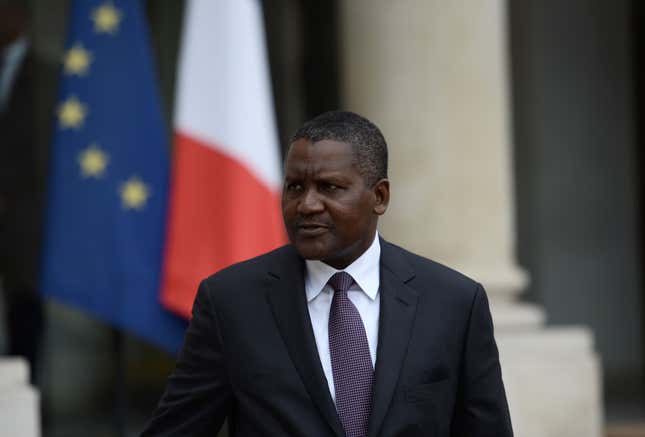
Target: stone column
433 75
19 401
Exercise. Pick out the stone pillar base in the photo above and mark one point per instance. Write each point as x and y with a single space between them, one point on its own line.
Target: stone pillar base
553 382
19 402
517 315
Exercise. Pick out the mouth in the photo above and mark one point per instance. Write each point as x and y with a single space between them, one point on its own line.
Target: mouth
311 229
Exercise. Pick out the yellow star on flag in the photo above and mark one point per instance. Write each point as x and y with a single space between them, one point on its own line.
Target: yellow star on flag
77 60
134 193
93 161
71 113
106 18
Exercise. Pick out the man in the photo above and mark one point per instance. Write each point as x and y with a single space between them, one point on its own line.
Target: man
339 333
22 174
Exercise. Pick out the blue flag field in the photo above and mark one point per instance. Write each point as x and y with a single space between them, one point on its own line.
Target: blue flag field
108 181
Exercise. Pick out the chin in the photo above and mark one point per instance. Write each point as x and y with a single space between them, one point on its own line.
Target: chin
310 250
313 255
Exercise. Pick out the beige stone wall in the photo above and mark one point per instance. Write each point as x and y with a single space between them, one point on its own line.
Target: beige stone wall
432 74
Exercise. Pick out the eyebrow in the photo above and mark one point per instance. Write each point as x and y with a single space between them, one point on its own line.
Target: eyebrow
331 176
326 177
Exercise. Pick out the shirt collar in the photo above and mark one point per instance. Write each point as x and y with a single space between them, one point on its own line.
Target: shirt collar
10 59
15 51
364 270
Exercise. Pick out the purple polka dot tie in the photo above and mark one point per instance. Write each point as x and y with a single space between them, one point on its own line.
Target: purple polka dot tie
350 359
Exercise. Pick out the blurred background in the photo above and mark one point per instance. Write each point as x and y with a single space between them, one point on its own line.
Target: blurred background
575 107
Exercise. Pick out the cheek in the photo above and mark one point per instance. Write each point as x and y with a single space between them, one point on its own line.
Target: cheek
287 209
349 221
357 217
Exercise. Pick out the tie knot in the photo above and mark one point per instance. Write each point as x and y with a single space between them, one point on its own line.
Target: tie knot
341 281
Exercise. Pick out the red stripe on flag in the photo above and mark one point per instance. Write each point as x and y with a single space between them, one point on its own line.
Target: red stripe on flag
220 213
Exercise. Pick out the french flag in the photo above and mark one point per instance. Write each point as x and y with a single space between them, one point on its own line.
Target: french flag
226 177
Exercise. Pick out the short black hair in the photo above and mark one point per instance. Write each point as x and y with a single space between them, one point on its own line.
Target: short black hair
370 149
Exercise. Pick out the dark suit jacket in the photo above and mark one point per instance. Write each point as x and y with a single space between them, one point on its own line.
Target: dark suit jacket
22 182
250 356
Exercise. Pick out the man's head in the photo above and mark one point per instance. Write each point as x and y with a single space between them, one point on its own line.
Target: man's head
370 149
335 187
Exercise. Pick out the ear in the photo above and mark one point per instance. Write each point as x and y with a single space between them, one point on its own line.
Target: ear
381 191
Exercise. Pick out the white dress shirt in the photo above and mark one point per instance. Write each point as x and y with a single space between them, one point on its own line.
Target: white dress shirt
12 57
364 294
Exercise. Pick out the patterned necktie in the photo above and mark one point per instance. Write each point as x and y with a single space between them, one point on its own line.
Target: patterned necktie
350 359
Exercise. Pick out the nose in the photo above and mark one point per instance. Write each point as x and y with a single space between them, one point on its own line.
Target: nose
310 203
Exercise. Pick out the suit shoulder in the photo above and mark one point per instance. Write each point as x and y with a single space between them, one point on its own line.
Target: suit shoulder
247 274
432 275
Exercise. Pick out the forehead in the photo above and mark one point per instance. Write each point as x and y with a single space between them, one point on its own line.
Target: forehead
321 156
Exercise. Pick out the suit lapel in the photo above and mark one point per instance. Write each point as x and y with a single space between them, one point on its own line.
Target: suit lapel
398 309
287 299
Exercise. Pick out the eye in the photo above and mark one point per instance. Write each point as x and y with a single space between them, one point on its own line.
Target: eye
294 187
329 187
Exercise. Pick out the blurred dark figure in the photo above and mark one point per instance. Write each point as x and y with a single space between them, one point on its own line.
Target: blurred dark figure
21 189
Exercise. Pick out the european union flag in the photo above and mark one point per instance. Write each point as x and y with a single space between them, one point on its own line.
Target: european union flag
109 176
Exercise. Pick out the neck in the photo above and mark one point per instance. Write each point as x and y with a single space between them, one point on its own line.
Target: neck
352 253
